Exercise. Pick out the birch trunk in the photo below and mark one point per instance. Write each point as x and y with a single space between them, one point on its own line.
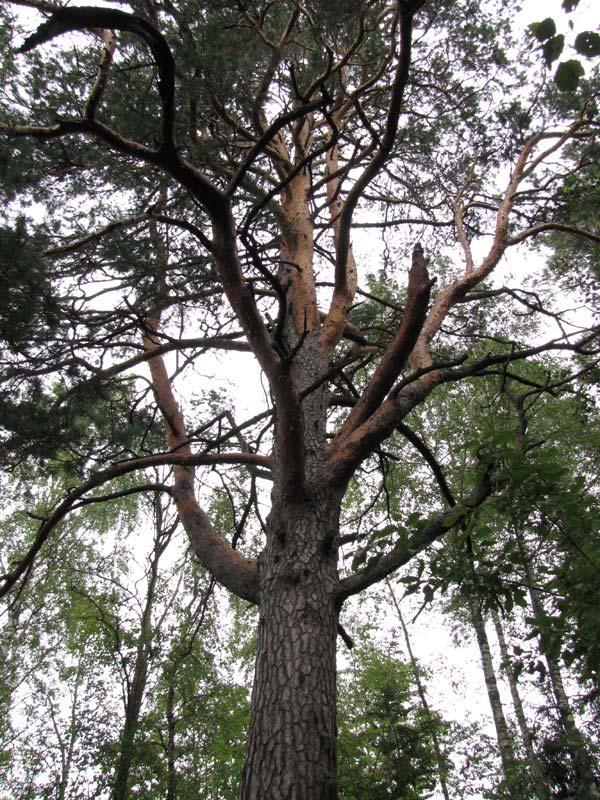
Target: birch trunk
536 770
588 787
507 757
437 749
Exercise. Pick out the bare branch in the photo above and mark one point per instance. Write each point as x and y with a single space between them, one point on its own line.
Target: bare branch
543 227
110 42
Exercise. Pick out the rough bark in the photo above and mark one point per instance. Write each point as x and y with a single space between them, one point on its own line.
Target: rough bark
291 746
291 743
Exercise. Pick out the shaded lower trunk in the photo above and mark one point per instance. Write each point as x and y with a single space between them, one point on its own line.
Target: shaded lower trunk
291 745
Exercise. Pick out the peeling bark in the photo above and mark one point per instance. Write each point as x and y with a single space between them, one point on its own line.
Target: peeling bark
296 273
343 294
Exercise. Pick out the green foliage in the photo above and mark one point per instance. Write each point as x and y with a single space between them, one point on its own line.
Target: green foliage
385 748
568 74
551 51
29 309
587 43
574 260
95 425
543 30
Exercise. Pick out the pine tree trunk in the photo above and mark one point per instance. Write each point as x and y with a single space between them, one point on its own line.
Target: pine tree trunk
291 745
536 770
291 750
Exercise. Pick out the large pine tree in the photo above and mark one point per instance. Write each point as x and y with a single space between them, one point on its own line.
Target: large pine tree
205 169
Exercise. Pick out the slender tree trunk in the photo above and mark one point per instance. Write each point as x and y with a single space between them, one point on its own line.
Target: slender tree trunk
439 756
130 725
588 786
137 685
536 770
68 749
178 654
9 661
171 773
507 756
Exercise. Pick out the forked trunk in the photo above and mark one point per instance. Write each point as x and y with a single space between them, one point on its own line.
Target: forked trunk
291 745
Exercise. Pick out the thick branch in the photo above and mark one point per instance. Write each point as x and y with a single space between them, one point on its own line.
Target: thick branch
395 357
348 452
261 144
343 295
413 390
279 373
78 18
166 157
185 460
236 573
